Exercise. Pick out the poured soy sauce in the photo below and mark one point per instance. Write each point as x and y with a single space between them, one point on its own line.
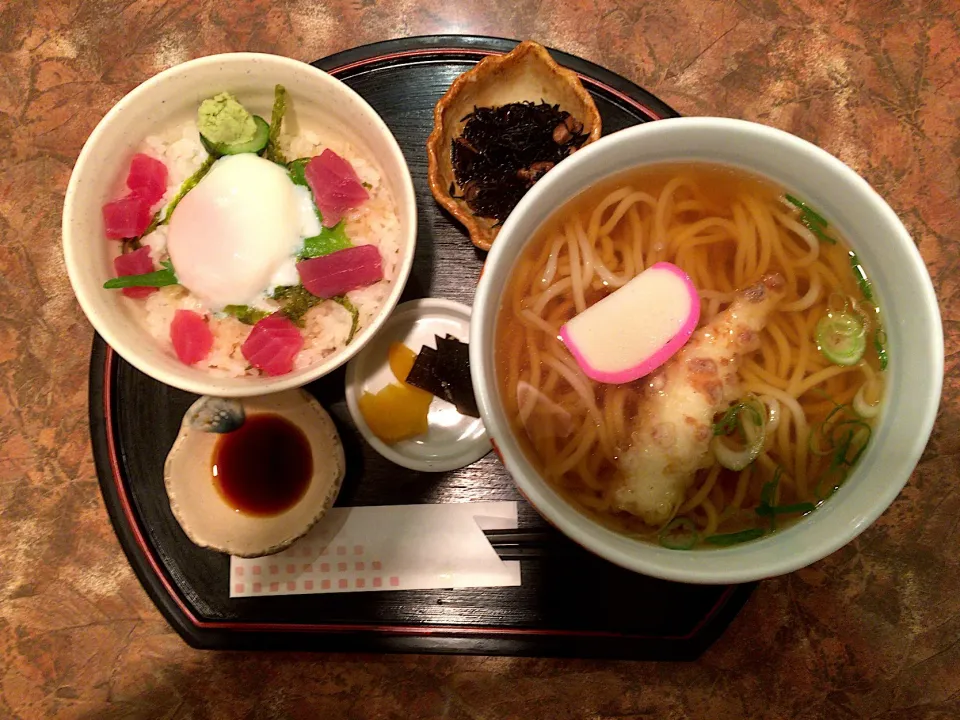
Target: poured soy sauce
264 467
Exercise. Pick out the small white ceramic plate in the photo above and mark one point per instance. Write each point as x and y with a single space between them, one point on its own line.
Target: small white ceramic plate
452 440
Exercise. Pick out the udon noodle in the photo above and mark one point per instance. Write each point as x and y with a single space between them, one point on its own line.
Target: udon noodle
726 230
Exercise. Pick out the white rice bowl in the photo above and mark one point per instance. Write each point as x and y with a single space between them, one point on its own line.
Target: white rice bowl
159 119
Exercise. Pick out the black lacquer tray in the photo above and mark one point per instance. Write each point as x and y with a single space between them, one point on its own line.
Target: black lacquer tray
570 603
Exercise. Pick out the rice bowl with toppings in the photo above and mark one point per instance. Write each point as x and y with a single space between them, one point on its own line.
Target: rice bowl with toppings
328 325
324 120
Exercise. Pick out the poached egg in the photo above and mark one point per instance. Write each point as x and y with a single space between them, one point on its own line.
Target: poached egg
236 234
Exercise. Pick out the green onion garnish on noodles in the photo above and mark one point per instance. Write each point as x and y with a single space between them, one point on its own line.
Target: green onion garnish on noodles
844 437
679 534
865 287
773 510
841 338
811 219
735 538
768 494
880 345
728 423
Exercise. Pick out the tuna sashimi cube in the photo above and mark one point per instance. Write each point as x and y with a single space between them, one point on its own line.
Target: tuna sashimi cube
147 177
137 262
127 217
335 186
342 271
191 336
273 344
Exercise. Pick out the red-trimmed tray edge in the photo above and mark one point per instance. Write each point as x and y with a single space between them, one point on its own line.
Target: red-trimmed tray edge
486 53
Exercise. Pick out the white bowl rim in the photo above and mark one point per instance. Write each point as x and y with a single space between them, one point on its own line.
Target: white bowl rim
209 386
659 562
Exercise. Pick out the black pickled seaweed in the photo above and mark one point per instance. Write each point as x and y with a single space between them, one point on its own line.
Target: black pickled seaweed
422 374
453 366
445 372
504 150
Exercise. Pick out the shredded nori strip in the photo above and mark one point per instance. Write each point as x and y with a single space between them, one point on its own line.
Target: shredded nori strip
295 301
354 314
504 150
245 314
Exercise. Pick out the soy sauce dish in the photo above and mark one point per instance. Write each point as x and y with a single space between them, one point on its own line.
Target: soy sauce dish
250 477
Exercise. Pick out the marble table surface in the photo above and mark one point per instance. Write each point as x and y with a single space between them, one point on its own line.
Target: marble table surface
873 631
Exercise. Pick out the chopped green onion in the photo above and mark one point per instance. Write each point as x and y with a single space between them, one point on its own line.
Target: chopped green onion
735 538
865 287
679 534
753 432
157 278
841 338
880 345
806 209
769 490
847 441
728 423
272 151
246 314
840 473
811 219
768 495
354 314
772 510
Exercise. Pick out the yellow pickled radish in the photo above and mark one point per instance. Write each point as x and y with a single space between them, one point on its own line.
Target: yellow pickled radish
396 413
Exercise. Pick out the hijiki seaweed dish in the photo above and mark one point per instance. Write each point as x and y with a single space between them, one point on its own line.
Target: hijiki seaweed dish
504 150
499 129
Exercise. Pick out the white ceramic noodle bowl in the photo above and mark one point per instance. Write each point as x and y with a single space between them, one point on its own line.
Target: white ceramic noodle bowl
900 280
316 101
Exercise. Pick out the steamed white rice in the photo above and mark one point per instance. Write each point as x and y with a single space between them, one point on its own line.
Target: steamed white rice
327 325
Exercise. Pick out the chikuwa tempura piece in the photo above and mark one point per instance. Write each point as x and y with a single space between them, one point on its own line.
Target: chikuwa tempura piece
672 438
663 307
